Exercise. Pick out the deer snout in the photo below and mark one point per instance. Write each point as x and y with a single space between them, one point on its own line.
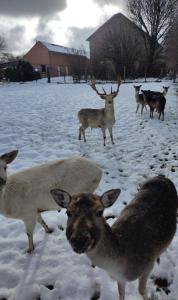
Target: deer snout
2 181
80 243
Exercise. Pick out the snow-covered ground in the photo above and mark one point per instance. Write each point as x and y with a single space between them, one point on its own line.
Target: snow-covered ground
40 120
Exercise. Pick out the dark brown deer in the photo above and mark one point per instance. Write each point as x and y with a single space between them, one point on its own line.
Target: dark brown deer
155 102
103 118
128 249
164 92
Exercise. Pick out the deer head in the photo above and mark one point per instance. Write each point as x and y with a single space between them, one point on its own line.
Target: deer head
4 160
110 96
165 90
85 216
137 88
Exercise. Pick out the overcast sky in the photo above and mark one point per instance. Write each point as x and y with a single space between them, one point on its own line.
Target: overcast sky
64 22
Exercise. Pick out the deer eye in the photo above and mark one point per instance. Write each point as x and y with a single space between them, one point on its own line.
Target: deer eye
5 168
99 213
69 214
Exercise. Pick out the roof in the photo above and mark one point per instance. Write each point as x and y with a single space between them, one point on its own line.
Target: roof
62 49
117 16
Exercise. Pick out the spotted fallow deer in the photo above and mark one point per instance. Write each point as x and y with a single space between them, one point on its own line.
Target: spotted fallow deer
103 118
128 249
26 194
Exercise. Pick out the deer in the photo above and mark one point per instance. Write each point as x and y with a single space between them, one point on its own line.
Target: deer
128 249
164 92
103 118
26 194
155 101
139 99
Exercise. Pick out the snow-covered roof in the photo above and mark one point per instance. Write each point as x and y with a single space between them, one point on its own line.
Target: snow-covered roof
62 49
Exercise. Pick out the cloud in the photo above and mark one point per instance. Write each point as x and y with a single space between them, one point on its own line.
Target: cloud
77 37
119 3
31 8
43 32
14 38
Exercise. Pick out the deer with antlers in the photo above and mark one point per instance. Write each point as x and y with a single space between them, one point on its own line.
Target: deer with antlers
103 118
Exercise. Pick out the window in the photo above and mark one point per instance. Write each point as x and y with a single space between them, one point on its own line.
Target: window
63 70
43 68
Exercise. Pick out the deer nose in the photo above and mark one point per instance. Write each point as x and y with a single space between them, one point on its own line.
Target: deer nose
80 243
2 181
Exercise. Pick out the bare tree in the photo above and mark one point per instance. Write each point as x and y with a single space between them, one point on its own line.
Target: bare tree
171 45
79 63
2 43
119 49
155 18
124 49
2 46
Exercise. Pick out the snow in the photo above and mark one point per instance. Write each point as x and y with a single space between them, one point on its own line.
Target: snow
40 120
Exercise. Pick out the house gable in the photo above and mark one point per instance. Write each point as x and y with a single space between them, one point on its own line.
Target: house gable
37 55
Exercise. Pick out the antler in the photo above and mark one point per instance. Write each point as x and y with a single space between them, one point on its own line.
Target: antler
93 86
119 80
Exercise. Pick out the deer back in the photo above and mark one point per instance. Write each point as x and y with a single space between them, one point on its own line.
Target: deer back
147 225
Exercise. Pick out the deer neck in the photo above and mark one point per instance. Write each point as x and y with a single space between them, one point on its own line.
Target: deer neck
137 95
106 254
2 193
109 110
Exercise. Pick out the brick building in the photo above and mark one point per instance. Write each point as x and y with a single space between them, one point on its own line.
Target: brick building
57 59
118 43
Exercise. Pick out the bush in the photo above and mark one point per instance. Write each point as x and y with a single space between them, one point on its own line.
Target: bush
23 71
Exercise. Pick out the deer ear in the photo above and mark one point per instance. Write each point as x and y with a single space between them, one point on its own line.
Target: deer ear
109 197
9 157
61 197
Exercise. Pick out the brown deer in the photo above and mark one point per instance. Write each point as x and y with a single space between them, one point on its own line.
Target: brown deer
128 249
139 99
103 118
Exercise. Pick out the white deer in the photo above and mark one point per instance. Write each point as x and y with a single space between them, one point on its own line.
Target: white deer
103 118
26 194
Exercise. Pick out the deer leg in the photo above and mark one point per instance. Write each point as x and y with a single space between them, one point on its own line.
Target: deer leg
163 116
111 135
143 281
121 289
30 225
42 222
104 135
81 132
84 135
151 113
142 108
137 107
